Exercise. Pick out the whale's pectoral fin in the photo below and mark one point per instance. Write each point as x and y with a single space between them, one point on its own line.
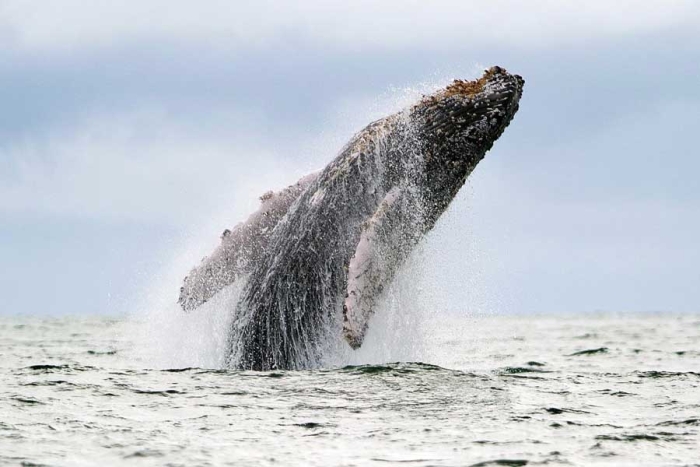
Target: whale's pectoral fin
215 272
385 242
240 248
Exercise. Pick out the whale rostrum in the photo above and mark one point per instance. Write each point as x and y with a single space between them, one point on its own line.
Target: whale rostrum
316 257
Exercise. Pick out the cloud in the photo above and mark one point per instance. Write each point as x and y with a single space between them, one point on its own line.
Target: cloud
167 115
140 166
75 24
175 167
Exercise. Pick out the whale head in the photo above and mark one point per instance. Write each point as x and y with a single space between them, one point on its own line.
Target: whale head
458 125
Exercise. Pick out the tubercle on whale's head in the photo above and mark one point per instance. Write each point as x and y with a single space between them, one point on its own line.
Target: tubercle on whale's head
469 115
458 125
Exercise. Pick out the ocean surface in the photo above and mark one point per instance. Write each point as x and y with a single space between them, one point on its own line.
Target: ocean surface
583 390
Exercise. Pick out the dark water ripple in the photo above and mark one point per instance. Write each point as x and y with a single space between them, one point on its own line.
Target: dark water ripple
499 392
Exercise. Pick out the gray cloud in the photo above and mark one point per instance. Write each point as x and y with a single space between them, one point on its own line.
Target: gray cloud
355 25
137 133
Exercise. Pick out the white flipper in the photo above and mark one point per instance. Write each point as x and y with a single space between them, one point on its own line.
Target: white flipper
383 245
240 248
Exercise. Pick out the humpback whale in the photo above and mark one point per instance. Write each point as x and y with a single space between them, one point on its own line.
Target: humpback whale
314 259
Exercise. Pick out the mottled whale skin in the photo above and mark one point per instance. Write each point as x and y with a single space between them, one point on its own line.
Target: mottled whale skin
316 256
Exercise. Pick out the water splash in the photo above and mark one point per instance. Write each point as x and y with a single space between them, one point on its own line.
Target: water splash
399 330
169 338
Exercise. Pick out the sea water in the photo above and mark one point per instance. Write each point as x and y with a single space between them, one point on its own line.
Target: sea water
590 389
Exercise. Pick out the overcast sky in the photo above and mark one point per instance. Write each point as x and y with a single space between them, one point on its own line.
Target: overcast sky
132 133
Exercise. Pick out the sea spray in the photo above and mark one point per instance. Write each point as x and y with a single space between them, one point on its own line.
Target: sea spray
398 331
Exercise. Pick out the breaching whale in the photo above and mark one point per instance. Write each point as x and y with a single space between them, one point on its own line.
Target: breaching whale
316 256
